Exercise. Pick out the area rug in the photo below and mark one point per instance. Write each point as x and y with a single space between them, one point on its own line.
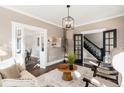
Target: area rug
54 79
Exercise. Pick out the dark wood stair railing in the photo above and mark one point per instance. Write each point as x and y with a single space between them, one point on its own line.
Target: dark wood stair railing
93 49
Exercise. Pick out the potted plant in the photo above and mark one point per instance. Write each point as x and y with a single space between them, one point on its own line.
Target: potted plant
71 59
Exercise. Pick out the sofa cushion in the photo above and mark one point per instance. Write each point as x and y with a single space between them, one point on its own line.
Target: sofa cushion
1 76
10 72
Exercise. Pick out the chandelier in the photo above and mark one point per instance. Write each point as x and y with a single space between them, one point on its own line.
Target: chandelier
68 22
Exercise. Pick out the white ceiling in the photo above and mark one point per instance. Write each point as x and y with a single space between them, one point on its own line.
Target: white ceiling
83 14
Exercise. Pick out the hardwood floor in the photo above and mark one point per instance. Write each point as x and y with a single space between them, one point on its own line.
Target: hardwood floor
39 71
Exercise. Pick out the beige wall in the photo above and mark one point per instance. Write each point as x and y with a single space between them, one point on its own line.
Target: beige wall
117 23
96 38
6 16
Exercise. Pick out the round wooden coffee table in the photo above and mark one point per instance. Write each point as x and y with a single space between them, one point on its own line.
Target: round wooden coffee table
66 71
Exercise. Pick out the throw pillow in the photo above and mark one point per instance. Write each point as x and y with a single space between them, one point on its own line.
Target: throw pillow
19 67
10 72
1 76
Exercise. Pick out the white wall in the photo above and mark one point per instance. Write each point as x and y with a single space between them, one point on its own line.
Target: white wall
96 38
87 55
30 39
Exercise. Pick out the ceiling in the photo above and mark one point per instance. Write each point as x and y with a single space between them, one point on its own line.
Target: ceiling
83 14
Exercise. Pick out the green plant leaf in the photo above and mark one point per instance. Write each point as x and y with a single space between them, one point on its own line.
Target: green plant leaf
71 57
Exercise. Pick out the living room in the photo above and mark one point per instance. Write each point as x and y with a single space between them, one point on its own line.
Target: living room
38 48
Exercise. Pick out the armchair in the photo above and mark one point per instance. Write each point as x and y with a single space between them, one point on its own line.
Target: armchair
105 70
94 82
13 74
117 63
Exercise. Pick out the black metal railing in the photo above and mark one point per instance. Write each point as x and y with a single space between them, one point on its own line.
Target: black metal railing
93 49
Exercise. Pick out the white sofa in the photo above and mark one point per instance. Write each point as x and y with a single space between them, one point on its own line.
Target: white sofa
13 75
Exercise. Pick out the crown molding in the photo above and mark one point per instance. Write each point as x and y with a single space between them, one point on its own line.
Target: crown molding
29 15
100 20
93 31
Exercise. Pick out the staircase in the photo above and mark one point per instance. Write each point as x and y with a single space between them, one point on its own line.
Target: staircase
93 49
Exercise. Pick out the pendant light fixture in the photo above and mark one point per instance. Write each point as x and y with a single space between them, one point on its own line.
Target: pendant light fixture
68 22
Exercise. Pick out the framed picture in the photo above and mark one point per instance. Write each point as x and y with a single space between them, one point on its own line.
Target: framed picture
54 41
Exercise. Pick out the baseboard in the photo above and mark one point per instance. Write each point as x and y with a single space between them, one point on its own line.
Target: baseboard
34 56
54 62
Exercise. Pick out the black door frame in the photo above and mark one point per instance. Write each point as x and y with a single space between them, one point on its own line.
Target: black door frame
78 61
114 39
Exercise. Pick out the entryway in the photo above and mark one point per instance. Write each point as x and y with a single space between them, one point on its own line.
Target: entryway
29 43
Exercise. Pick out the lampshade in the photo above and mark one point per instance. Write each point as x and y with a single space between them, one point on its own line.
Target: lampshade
68 22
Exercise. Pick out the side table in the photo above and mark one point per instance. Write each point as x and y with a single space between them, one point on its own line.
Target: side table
66 71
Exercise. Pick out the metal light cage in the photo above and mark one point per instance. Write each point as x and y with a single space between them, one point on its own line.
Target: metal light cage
68 22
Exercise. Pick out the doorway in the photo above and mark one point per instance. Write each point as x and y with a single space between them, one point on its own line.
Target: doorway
104 40
78 48
30 40
109 41
32 47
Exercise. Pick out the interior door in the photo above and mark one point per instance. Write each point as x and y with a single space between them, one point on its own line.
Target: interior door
43 49
17 43
78 48
109 41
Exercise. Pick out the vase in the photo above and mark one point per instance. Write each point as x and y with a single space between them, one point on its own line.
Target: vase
71 67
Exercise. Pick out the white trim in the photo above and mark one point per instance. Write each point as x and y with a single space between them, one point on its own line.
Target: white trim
29 26
100 20
93 31
43 54
29 15
41 66
54 62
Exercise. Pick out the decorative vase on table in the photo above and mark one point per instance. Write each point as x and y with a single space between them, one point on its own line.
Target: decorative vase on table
71 59
71 67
